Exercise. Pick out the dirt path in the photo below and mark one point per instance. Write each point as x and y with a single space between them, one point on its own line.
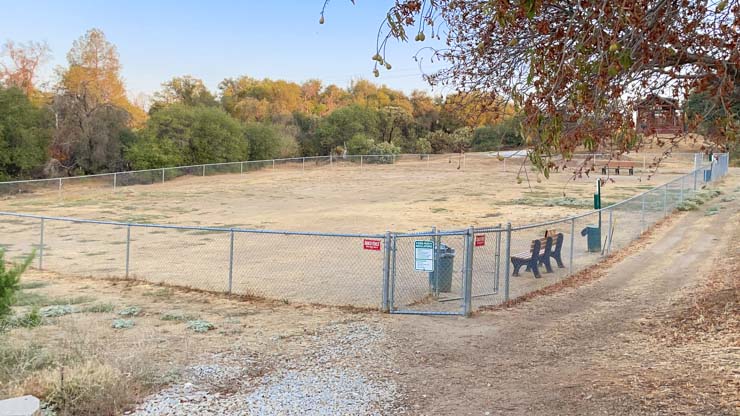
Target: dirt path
573 352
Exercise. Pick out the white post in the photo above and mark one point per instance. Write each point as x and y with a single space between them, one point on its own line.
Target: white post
360 162
241 168
273 164
115 178
303 165
162 175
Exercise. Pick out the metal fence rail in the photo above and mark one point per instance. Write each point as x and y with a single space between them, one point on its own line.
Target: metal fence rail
467 269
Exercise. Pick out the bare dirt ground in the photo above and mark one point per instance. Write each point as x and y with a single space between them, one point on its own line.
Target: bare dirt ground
412 195
653 331
630 342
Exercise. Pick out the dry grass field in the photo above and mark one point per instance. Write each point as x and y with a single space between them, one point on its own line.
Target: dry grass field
413 195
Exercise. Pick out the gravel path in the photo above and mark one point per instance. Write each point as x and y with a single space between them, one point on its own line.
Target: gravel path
335 371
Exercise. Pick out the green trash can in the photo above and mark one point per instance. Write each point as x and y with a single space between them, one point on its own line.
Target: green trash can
593 236
441 281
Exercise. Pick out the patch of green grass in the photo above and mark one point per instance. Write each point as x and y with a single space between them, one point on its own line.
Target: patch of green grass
688 205
95 253
30 319
98 308
32 285
438 210
178 316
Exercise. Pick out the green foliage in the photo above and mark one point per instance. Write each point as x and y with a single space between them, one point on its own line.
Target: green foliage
178 316
505 134
130 311
269 142
360 144
25 133
189 135
10 281
343 124
122 323
55 311
200 326
423 146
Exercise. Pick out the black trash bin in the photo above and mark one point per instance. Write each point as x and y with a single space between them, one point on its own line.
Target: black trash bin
441 279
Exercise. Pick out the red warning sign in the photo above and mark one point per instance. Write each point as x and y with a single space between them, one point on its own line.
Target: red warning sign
371 244
480 240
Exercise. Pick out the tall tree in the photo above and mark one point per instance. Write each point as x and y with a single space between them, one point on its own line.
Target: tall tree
25 131
579 69
94 75
21 64
183 90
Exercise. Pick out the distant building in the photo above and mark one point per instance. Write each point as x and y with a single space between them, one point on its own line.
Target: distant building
659 115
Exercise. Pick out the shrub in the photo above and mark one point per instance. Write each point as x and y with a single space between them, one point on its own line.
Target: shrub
55 311
200 326
87 388
10 281
130 311
122 323
98 308
178 316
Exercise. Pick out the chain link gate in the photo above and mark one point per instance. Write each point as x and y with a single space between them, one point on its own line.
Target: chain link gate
429 273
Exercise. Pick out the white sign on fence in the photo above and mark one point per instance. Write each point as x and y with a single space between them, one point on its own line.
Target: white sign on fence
424 255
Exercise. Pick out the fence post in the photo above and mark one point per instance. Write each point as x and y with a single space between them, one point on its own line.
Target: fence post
435 274
41 246
128 247
360 162
696 174
204 170
572 243
506 262
385 305
665 200
468 276
392 292
680 197
273 164
642 213
497 260
609 232
162 175
331 160
241 168
59 188
231 259
115 179
303 165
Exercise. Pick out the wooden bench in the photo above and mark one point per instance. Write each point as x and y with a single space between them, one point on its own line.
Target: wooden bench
541 251
616 165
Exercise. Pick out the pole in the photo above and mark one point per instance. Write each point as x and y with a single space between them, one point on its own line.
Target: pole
204 170
385 305
506 259
642 213
680 197
273 164
41 246
231 259
128 247
331 161
360 162
115 179
163 175
468 276
608 245
392 294
572 244
665 200
241 168
434 281
59 188
303 165
497 260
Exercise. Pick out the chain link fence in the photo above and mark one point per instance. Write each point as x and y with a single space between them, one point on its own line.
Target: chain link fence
434 272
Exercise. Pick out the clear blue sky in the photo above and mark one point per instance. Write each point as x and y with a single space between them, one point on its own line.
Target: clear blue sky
216 39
